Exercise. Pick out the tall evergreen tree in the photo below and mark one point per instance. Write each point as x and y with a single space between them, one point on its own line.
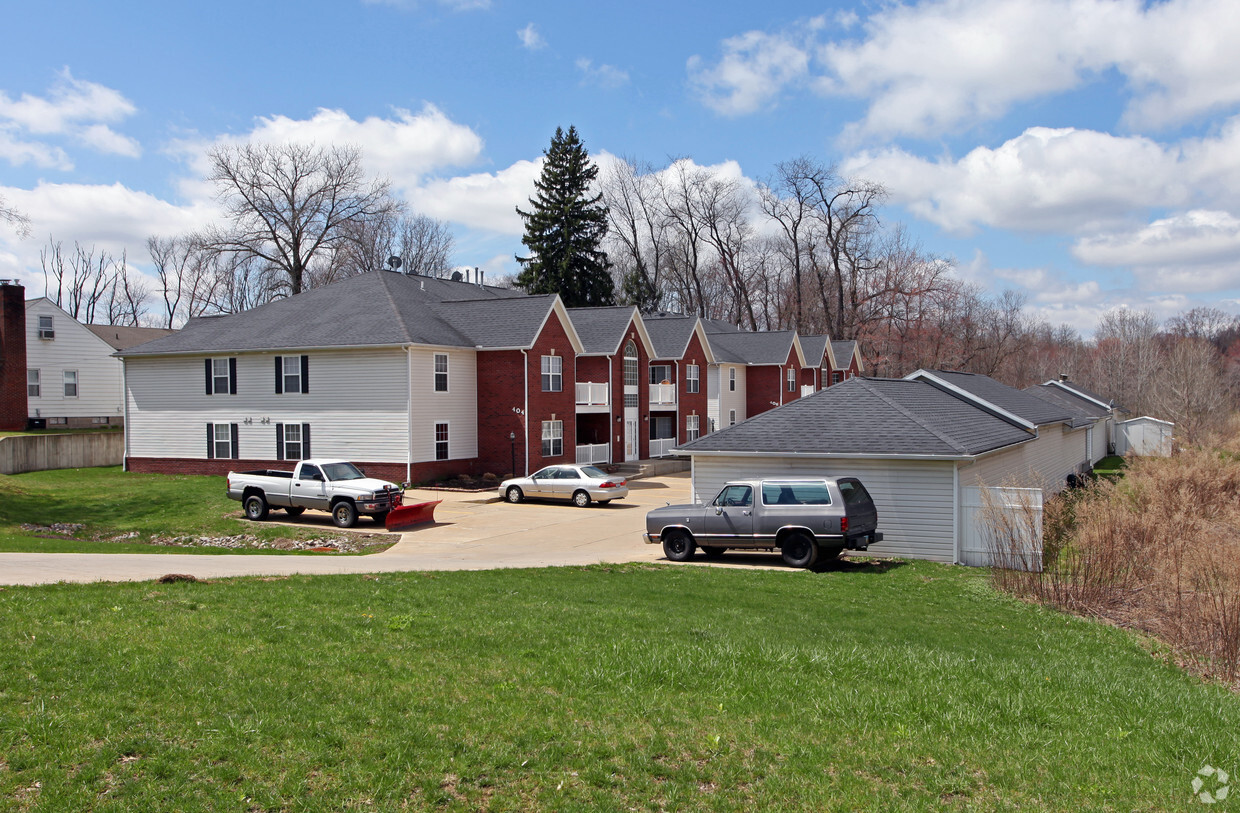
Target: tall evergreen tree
565 228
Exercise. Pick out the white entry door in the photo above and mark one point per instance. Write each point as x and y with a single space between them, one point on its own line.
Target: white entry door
630 438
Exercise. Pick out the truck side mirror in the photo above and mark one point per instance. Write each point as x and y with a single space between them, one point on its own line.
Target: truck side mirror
718 510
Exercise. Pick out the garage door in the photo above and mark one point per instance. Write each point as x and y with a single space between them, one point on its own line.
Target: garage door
915 499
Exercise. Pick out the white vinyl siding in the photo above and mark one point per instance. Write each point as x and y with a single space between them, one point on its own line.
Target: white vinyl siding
728 399
1100 435
99 387
458 407
358 406
1043 463
915 499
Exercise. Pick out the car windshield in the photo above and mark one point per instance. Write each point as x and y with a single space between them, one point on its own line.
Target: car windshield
342 471
593 471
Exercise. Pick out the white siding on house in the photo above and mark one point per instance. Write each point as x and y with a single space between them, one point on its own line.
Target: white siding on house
1044 462
915 499
99 387
728 399
356 406
458 406
1101 437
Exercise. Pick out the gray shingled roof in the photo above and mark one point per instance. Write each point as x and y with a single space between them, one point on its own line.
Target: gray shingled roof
1087 394
843 351
871 416
372 309
121 337
745 347
601 329
815 348
1083 412
1021 404
670 334
720 326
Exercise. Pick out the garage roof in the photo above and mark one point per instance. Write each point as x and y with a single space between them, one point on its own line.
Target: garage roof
875 417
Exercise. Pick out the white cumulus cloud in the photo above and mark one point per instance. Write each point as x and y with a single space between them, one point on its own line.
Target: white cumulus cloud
75 109
604 76
751 74
530 38
1193 252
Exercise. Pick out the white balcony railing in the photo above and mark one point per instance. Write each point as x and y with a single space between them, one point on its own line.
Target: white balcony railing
594 453
592 394
807 389
662 447
662 394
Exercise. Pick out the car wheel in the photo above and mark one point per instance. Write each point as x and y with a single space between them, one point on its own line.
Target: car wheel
581 499
514 494
799 550
294 511
713 551
255 507
677 546
344 514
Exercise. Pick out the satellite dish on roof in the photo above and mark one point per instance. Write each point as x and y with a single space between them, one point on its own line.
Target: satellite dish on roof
394 262
456 276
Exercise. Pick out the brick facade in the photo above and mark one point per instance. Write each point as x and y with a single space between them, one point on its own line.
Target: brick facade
762 385
693 403
12 357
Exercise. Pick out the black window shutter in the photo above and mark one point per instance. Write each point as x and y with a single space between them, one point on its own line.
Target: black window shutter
236 451
210 437
279 441
232 376
305 439
209 379
305 375
279 374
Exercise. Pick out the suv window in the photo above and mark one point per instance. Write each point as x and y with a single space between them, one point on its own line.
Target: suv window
805 493
854 493
735 495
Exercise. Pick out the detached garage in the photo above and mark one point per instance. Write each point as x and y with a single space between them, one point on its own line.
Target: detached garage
919 444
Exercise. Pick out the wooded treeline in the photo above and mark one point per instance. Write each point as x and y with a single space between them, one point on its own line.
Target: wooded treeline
804 249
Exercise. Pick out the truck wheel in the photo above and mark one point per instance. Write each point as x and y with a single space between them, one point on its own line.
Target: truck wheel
799 551
713 551
678 546
294 511
344 514
581 499
514 495
256 507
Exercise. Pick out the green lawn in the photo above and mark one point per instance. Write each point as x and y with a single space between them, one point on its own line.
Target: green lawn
111 503
912 687
1110 466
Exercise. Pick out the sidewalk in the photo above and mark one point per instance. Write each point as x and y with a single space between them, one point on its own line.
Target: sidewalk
469 534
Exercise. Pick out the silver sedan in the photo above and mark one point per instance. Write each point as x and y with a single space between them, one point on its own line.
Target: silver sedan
580 484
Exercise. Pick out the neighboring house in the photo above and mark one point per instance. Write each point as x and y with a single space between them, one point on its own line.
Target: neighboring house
72 378
1088 406
419 378
925 446
846 362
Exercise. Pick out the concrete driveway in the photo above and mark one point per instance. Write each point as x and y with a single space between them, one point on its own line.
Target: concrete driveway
468 535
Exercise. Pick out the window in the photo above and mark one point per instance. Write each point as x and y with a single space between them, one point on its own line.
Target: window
292 374
222 376
798 493
692 381
552 373
692 432
441 376
792 380
731 417
660 373
630 365
441 439
731 379
837 377
32 384
552 438
57 421
101 420
221 441
71 384
292 441
855 493
735 495
45 328
661 427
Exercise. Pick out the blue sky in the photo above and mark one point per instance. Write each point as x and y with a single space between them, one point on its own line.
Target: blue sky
1086 152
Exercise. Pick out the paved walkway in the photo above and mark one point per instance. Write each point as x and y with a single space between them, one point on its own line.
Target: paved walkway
467 535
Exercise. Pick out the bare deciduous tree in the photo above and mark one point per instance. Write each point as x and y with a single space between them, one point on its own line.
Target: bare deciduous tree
15 218
292 206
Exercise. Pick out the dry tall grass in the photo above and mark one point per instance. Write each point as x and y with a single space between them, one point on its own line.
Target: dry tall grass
1158 550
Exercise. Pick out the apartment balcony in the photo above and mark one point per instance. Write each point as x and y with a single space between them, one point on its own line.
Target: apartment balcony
594 453
662 447
662 395
807 389
593 396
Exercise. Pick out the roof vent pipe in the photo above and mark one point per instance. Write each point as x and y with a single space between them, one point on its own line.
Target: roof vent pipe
1063 376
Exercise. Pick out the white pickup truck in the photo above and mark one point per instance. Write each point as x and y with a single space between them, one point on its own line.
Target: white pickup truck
327 485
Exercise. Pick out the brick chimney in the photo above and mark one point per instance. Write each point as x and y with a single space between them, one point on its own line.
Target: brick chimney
12 356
